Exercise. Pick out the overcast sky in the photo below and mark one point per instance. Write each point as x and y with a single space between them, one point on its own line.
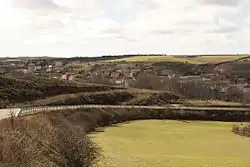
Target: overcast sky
102 27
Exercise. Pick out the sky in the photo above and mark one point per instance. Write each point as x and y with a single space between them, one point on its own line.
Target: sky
68 28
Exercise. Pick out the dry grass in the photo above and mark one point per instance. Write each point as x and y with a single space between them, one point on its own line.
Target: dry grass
216 59
113 97
173 143
156 59
195 60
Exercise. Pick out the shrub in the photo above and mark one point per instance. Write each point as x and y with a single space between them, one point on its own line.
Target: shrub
243 131
235 129
46 144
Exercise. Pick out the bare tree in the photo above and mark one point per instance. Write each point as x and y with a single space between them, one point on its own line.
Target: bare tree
156 83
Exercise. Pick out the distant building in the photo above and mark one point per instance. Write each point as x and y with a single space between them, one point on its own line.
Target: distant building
71 77
49 68
120 81
68 77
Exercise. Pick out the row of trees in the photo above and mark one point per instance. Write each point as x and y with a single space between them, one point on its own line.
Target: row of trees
190 89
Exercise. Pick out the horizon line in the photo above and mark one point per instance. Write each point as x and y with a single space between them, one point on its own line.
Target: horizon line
135 54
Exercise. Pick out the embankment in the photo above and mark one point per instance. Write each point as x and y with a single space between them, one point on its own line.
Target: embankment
59 138
112 97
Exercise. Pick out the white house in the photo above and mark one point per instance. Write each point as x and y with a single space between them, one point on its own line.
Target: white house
68 77
49 68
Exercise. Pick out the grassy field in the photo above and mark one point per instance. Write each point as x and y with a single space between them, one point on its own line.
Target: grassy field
196 60
173 143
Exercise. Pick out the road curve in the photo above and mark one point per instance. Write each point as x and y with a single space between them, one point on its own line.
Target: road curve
5 113
8 112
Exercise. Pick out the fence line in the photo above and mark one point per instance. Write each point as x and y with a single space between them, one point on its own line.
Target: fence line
5 113
33 110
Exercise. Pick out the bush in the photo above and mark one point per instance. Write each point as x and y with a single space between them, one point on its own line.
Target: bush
243 131
45 143
235 129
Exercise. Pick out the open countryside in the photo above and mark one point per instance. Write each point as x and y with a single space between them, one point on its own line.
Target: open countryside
125 83
137 110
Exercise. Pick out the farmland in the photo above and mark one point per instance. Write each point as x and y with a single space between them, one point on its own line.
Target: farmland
184 59
173 143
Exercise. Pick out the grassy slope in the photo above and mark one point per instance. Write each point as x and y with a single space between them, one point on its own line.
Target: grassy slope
112 97
106 97
197 60
13 91
176 143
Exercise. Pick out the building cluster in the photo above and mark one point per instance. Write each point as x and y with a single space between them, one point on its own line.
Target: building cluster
53 69
123 73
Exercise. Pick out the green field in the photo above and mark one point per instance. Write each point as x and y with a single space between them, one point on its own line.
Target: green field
196 60
173 143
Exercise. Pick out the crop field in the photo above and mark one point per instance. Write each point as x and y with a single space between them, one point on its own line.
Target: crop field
194 60
168 143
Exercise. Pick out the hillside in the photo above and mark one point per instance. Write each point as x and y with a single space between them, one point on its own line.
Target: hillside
199 59
14 90
112 97
236 69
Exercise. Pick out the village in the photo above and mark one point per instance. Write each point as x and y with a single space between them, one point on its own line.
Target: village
216 83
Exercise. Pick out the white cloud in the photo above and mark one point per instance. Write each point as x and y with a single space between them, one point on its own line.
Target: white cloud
97 27
222 2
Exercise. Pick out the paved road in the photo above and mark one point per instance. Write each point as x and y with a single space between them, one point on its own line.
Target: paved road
5 113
